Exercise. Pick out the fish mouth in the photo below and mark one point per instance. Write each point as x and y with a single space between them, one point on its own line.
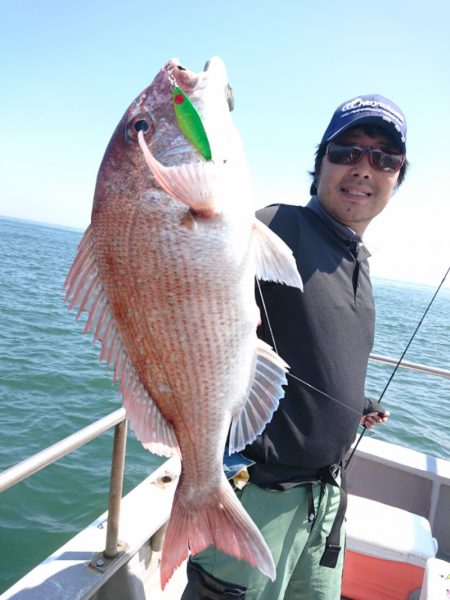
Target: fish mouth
196 183
215 65
187 79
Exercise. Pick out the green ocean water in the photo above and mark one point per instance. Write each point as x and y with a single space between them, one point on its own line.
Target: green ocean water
51 385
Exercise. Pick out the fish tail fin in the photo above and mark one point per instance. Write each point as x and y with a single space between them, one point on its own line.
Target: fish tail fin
221 521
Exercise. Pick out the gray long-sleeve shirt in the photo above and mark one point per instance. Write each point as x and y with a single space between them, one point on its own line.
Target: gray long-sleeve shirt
325 334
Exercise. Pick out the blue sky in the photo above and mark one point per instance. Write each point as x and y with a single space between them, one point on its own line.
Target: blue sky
68 71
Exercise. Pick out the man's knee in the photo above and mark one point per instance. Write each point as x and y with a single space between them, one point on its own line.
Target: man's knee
203 586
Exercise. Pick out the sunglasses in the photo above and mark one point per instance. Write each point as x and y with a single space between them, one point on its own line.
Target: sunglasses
351 155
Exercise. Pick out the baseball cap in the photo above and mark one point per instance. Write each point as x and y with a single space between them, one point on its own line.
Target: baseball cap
373 109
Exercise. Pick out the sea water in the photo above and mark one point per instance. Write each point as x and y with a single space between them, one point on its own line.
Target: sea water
51 385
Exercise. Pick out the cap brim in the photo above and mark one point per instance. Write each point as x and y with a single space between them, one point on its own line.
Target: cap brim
379 122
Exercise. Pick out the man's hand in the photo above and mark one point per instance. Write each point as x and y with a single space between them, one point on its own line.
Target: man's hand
375 418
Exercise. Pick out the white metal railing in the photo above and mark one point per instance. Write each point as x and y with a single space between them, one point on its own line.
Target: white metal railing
49 455
117 419
46 457
406 364
27 467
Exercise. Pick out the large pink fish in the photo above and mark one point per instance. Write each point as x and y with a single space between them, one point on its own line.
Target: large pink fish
166 272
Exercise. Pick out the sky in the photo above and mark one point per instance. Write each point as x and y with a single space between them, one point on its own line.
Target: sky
69 70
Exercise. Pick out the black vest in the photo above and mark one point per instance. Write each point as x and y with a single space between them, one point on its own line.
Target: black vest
325 334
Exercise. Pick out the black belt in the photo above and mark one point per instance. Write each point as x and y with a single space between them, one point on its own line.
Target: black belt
332 545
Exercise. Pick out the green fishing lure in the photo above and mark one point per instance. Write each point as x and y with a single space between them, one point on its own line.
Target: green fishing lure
190 123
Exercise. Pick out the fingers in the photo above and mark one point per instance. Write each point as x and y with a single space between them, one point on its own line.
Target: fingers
373 419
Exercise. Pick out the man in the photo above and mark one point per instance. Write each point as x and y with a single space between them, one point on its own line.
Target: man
296 488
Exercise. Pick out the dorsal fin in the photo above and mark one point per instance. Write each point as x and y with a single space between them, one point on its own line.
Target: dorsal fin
85 287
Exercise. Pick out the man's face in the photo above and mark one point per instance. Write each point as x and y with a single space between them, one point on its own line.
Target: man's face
355 194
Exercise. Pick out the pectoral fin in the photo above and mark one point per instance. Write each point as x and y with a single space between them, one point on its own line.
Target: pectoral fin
194 184
274 258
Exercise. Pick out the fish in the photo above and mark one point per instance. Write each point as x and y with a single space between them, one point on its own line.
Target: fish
165 273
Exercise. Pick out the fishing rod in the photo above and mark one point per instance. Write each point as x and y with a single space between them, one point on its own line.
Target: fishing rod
399 361
390 378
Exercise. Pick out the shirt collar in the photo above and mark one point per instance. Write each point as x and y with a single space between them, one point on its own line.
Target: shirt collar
343 231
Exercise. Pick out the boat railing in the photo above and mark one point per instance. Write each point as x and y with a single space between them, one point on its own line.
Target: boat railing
46 457
117 419
406 364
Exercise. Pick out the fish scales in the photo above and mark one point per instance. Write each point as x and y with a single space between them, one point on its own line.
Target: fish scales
166 272
186 303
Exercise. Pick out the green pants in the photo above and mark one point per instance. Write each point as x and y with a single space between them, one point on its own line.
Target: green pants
296 545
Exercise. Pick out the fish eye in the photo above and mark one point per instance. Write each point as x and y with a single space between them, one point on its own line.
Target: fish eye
230 97
141 125
141 122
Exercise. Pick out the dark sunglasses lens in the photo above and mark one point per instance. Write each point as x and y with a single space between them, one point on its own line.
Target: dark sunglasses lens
385 161
350 155
343 155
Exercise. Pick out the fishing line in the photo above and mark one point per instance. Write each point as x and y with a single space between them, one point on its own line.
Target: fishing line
391 376
272 337
324 393
400 360
274 344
